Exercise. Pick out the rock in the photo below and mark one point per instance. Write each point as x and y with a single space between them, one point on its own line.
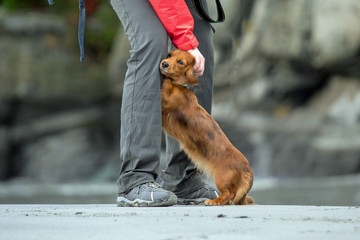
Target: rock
29 110
283 91
335 32
31 23
317 33
338 151
345 109
319 138
277 84
5 109
4 151
292 148
55 123
228 33
75 154
276 28
39 65
284 29
337 102
67 146
57 116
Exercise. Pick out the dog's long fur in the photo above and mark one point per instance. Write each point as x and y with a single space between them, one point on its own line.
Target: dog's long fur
199 135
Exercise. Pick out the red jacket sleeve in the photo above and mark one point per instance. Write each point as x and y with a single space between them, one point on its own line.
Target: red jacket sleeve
178 22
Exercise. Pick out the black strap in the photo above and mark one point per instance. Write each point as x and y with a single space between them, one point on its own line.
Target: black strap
201 11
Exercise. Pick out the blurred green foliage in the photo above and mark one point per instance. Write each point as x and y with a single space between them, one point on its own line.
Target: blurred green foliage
14 4
101 21
59 6
99 39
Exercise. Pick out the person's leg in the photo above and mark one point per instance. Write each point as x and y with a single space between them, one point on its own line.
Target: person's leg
180 175
141 104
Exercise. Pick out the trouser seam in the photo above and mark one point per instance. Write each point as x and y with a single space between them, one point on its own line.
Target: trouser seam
136 46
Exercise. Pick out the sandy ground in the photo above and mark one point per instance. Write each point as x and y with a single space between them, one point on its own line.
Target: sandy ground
178 222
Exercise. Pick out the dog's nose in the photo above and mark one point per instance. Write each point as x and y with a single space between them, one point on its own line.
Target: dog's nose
165 64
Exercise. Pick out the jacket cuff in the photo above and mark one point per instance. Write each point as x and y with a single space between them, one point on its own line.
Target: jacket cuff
189 45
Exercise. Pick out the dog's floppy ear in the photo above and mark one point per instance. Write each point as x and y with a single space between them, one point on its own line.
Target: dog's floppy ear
190 77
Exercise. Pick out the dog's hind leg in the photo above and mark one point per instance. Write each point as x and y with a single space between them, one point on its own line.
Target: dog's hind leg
246 200
242 197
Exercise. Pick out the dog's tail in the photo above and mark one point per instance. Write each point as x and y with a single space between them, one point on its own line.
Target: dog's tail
241 197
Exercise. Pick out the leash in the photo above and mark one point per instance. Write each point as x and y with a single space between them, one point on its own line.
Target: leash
81 29
202 13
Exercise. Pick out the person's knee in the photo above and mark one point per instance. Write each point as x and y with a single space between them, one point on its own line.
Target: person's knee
155 43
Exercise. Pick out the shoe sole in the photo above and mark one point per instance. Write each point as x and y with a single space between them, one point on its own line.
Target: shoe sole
124 202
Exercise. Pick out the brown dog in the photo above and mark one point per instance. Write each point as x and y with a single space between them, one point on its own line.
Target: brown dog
198 133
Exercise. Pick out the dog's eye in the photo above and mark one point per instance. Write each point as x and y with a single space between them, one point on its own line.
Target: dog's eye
169 55
180 62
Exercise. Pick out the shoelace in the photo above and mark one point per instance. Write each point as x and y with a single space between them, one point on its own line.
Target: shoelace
81 29
153 185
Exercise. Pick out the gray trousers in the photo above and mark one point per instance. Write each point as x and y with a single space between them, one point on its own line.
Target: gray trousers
141 104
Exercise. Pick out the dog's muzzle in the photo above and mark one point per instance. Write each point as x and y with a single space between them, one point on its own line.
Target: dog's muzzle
164 65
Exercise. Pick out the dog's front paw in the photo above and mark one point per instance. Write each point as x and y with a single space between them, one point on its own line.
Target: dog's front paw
213 202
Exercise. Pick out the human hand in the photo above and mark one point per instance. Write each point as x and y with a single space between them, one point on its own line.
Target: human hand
199 65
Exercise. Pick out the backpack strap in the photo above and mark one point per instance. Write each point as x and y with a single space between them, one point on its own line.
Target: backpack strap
81 29
201 11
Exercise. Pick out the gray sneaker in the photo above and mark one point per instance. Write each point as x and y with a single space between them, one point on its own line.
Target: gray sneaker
146 195
199 196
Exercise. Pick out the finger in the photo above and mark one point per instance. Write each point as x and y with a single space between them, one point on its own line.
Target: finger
201 63
198 68
201 68
197 64
199 71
